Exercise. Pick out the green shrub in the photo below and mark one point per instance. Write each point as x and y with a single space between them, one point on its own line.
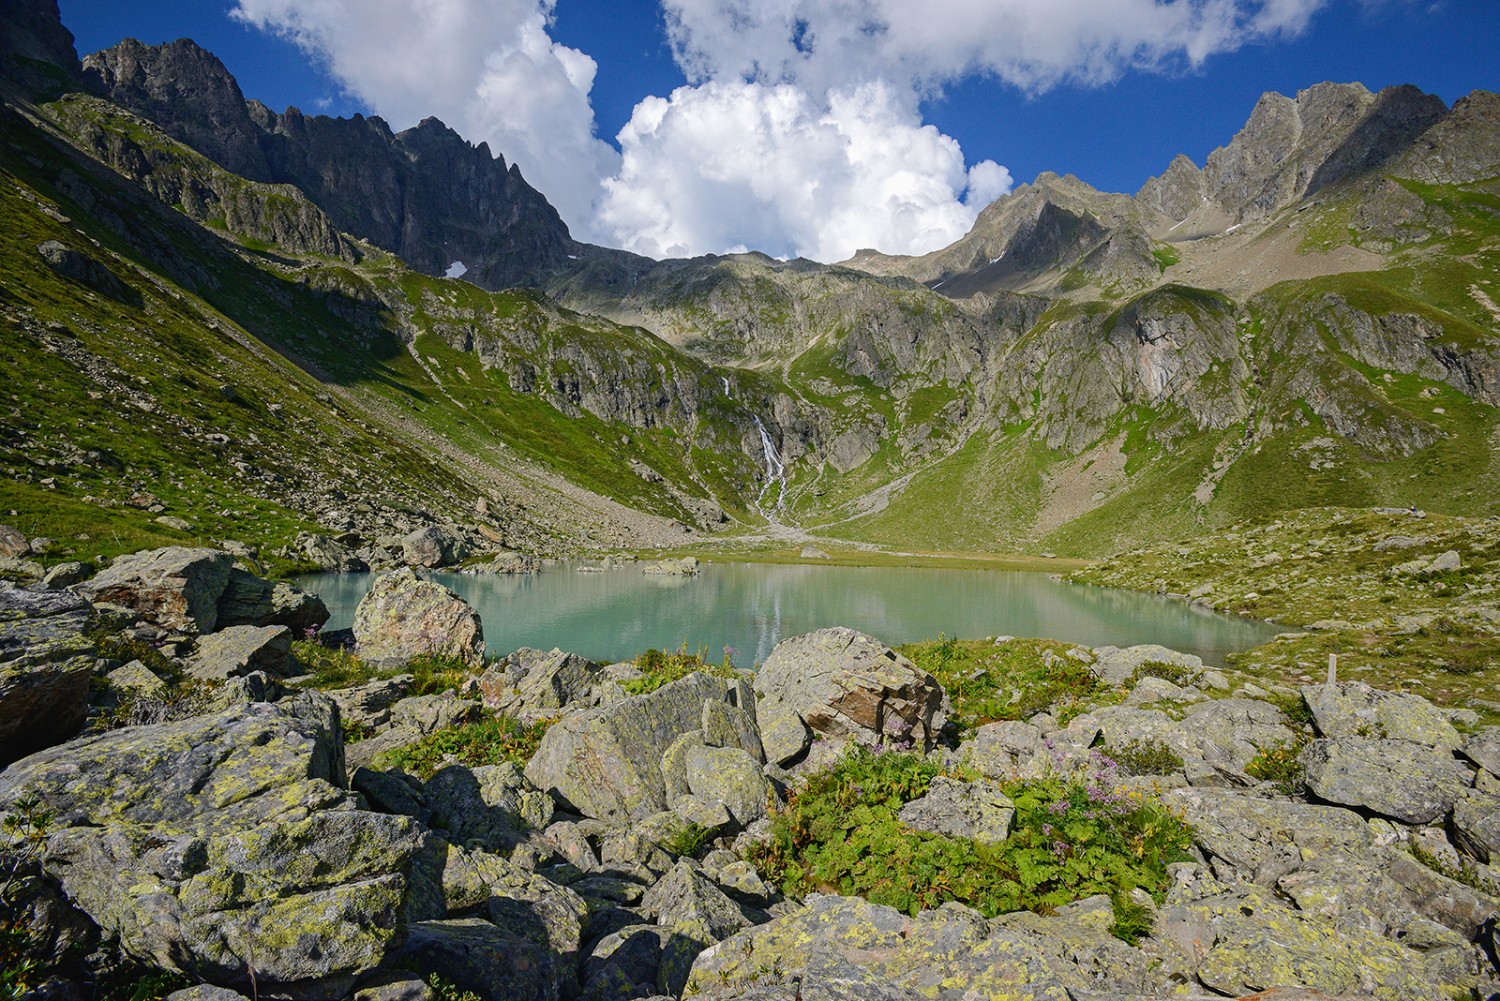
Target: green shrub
446 990
1282 765
1072 838
434 673
988 681
688 839
1145 757
490 741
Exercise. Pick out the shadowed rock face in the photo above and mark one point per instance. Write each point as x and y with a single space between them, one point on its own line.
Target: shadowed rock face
425 194
36 51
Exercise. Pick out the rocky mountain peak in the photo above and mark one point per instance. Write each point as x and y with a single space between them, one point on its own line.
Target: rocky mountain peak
184 85
36 51
425 194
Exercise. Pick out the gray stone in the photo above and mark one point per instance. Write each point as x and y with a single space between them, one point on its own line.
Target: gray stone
432 547
691 905
404 617
240 650
974 810
725 725
1476 825
478 957
137 679
1354 709
1260 840
606 762
46 663
998 750
1483 748
205 992
740 880
846 686
65 575
1115 666
728 775
489 805
228 839
1399 779
249 600
370 704
176 588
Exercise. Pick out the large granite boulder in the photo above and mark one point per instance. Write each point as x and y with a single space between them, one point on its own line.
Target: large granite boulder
974 810
875 952
1412 782
250 601
240 650
1261 840
531 683
46 663
479 958
226 846
432 547
1354 709
843 685
176 587
607 762
404 616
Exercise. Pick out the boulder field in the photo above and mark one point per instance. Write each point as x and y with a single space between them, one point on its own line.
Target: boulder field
266 838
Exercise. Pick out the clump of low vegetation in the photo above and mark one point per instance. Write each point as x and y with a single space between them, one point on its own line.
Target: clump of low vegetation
329 668
659 667
1011 680
1145 757
489 741
688 839
1281 765
1073 838
1177 674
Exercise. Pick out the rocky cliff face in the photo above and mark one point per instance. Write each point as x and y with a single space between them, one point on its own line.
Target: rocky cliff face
424 194
36 51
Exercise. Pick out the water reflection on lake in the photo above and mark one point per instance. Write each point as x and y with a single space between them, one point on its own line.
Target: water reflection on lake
749 608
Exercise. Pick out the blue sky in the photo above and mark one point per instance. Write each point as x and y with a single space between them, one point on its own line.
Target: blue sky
892 136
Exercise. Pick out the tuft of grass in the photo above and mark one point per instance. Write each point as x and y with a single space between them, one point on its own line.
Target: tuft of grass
988 681
490 741
1144 757
659 668
1281 765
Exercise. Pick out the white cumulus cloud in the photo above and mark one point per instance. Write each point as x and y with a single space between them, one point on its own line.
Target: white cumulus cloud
733 165
488 68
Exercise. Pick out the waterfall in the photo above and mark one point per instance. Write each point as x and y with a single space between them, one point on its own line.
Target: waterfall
775 469
725 380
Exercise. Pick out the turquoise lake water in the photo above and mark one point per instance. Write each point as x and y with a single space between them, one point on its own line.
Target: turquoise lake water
749 608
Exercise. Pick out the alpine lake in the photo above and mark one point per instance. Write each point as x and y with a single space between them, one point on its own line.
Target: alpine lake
742 610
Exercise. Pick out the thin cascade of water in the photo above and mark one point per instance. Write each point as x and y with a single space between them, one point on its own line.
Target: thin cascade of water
775 469
725 380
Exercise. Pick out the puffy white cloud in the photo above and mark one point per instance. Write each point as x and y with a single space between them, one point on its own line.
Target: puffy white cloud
488 68
1033 44
732 165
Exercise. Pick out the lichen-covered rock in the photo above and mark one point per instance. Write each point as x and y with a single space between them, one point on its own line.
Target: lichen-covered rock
1476 825
475 956
519 903
606 762
1115 666
370 704
46 663
1412 782
876 952
1483 748
1354 709
728 775
226 841
249 600
974 810
846 686
404 616
1242 942
489 805
175 587
1263 839
691 904
240 650
432 547
1000 750
546 682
